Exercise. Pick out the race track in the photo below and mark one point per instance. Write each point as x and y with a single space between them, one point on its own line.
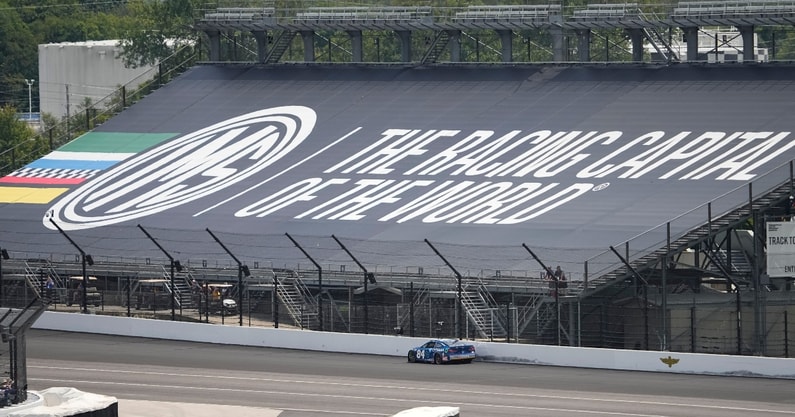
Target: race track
327 384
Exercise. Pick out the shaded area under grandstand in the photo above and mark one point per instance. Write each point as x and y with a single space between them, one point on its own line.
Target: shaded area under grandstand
568 160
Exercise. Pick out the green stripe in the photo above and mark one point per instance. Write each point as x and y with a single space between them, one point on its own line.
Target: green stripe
115 142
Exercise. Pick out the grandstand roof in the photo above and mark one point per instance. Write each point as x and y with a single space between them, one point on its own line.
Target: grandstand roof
570 160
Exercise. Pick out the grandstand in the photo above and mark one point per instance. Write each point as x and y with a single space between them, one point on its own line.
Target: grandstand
431 199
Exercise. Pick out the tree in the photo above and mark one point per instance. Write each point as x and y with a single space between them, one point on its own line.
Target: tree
17 57
16 145
160 29
779 41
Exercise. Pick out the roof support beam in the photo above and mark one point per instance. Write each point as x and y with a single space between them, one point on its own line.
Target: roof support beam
356 45
747 32
691 36
214 42
584 45
261 36
506 40
405 45
308 36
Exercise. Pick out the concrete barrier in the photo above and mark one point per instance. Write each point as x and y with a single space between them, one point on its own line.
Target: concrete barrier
633 360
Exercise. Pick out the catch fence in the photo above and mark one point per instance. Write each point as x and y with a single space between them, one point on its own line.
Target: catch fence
421 289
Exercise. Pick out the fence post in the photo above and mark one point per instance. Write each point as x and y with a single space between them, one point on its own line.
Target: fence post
128 296
206 296
275 301
692 329
411 309
786 335
508 315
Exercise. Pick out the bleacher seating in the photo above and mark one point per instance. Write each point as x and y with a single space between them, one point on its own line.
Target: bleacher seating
362 14
733 8
239 13
607 11
709 12
507 13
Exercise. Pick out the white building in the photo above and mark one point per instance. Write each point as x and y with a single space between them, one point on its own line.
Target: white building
92 70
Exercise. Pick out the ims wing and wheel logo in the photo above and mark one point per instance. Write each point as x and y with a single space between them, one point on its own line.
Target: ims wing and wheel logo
185 169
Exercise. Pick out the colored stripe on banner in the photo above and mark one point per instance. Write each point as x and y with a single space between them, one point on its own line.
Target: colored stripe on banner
115 142
29 195
89 156
77 161
41 181
70 164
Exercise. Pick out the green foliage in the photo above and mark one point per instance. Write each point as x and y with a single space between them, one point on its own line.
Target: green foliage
610 45
12 130
95 26
16 139
161 27
17 57
779 40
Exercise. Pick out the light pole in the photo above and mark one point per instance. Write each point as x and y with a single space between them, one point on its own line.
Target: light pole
86 259
3 255
174 265
241 270
30 98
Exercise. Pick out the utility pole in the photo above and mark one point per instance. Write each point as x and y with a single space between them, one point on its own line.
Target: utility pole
68 127
30 98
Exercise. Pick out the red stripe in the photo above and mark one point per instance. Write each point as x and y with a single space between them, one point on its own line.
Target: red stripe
42 181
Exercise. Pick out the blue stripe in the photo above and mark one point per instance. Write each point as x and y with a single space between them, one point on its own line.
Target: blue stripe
71 164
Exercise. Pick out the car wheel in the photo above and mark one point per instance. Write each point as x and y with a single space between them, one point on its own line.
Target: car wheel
437 359
412 356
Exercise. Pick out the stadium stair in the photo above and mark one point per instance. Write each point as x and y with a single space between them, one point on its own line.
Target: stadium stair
280 46
483 311
436 47
299 302
690 239
659 43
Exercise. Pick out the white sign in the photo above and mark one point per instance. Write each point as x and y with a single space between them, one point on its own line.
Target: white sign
781 249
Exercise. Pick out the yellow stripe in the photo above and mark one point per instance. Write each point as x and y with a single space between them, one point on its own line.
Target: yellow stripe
29 195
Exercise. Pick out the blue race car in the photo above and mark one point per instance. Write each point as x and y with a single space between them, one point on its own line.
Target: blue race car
441 351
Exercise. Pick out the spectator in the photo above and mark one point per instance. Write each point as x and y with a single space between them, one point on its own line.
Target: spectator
49 288
560 277
7 392
552 282
78 294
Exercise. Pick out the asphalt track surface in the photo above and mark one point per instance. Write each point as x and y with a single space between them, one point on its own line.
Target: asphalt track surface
304 383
